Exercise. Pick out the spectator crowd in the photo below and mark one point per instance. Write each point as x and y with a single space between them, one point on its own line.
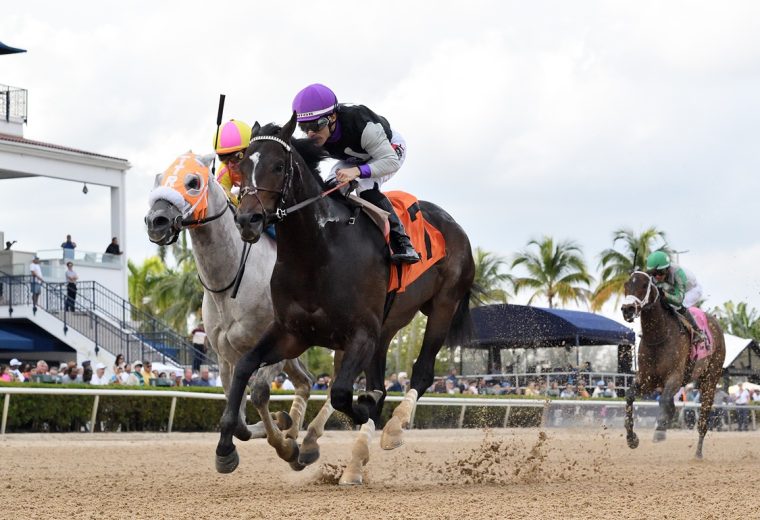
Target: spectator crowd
120 373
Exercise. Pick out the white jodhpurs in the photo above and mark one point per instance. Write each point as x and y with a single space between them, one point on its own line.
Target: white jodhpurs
692 296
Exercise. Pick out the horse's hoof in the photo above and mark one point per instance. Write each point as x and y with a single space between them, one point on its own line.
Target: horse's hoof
258 431
283 420
296 465
227 463
308 456
392 437
698 456
659 436
633 441
351 478
288 451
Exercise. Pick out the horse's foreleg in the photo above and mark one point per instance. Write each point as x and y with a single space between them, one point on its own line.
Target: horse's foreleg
264 376
286 448
231 424
667 406
309 451
630 396
352 475
302 380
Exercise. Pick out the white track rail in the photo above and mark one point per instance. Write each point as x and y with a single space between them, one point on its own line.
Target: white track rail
464 403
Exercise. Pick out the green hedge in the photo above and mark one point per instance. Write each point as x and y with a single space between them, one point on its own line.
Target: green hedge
70 413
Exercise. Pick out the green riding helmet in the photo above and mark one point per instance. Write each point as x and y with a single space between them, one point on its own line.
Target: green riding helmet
658 261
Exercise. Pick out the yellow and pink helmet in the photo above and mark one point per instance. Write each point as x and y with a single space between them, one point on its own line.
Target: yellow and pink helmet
231 137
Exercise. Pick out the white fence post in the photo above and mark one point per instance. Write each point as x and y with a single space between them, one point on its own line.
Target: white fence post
6 403
94 413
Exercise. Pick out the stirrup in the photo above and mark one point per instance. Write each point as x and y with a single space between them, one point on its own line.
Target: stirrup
409 256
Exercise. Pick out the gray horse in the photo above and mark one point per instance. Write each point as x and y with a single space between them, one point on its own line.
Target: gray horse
187 196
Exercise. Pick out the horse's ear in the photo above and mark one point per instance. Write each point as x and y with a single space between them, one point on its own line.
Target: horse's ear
254 132
206 160
287 131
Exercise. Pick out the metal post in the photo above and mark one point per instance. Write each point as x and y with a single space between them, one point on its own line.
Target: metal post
94 413
171 415
461 416
6 403
506 416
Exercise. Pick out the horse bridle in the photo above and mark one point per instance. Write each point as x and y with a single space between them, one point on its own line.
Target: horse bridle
639 304
280 211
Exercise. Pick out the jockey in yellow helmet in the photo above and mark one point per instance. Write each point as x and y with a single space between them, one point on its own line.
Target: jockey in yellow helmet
230 142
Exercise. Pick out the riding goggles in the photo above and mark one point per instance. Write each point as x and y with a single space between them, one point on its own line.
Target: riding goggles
233 158
314 126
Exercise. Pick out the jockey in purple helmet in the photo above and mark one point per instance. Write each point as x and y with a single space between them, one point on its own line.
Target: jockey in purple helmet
366 148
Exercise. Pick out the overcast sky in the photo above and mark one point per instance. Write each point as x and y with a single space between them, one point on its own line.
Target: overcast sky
522 119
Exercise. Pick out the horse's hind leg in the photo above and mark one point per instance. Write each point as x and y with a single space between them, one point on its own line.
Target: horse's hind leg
352 475
707 389
422 374
630 396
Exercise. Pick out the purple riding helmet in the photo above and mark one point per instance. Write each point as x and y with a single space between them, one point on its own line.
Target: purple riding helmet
313 102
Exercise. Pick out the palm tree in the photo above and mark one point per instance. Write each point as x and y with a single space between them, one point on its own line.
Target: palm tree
177 295
489 278
142 279
556 270
738 320
616 266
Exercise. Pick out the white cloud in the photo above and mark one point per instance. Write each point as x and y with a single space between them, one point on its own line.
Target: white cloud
521 119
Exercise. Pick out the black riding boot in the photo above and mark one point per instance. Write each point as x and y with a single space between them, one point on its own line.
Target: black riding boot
698 334
402 250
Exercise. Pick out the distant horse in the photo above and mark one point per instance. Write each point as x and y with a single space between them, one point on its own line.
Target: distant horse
329 288
664 358
187 196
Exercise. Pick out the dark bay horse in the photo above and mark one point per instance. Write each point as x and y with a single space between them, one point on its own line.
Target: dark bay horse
329 288
664 358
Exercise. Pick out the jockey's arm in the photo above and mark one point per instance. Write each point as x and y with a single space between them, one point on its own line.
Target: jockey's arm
384 159
674 293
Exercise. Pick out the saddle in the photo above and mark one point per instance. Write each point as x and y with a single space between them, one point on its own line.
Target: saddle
426 239
699 349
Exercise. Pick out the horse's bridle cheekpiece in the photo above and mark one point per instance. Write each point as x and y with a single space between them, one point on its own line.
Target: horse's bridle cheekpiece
638 304
280 212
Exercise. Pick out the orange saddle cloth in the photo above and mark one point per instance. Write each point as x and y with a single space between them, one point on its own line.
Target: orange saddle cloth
426 239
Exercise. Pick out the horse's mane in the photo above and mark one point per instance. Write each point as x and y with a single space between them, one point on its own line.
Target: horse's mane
309 152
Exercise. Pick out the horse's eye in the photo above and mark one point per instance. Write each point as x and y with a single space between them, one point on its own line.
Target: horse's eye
193 182
279 168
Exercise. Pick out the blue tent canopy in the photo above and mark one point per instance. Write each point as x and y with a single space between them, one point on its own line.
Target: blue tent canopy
10 341
7 49
513 326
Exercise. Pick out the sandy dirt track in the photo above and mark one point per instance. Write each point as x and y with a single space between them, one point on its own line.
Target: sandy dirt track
437 474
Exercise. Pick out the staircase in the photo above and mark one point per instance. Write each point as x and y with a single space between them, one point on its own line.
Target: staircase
108 320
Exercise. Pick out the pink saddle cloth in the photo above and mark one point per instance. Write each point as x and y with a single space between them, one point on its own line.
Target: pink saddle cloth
701 349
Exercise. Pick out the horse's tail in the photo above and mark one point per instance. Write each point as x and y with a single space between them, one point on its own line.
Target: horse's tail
461 329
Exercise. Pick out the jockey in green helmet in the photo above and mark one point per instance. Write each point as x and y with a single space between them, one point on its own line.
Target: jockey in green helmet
678 286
